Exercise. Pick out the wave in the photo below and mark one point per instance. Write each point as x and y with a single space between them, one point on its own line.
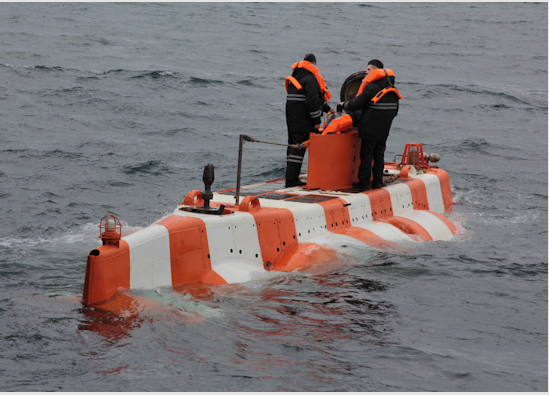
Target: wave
173 132
155 74
93 73
179 301
114 71
273 172
529 97
479 145
204 81
85 233
37 67
507 96
249 82
57 153
153 167
48 68
16 151
61 154
82 76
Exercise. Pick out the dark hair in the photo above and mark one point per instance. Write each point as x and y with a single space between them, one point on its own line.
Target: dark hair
376 63
310 57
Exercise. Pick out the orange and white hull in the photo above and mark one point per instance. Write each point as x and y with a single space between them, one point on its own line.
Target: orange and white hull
273 228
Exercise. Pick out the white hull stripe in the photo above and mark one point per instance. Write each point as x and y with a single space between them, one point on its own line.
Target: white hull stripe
150 265
434 192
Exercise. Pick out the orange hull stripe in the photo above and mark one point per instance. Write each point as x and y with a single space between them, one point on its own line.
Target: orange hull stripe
189 250
108 269
380 200
213 278
337 214
296 256
409 227
419 194
276 233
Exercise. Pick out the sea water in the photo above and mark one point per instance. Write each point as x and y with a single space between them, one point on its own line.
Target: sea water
117 108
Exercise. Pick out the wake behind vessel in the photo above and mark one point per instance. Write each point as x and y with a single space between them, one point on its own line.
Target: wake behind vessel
219 238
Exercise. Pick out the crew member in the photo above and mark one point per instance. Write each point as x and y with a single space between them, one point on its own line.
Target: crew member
306 100
378 100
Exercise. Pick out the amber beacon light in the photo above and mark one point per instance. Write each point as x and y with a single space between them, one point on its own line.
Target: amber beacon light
110 230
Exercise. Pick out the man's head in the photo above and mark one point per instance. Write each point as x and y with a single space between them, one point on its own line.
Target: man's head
372 65
310 58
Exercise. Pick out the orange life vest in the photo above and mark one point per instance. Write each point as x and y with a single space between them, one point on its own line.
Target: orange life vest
375 75
305 64
342 124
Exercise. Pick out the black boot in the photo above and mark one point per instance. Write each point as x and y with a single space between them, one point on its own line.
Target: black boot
360 187
295 183
378 185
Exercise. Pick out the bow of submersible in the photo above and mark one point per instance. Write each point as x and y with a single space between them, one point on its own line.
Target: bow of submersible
219 238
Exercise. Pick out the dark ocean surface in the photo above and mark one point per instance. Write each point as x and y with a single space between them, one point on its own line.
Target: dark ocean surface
116 108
